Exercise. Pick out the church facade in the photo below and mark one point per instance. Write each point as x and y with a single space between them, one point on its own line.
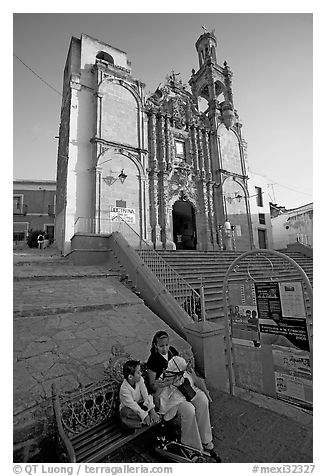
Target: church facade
172 164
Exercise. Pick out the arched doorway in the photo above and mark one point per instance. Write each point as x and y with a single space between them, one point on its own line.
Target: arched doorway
184 225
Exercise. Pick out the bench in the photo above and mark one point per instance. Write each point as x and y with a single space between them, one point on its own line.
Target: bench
87 420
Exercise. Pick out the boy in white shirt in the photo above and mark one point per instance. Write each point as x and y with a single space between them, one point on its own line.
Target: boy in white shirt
136 406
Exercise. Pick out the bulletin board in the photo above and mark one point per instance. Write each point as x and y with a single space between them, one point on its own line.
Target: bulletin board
269 342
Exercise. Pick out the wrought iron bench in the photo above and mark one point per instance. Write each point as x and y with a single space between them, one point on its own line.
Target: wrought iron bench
87 420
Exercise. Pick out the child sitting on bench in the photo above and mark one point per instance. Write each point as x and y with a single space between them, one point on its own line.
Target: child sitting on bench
136 406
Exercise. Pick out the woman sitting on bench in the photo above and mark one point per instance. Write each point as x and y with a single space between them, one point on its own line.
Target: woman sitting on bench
170 401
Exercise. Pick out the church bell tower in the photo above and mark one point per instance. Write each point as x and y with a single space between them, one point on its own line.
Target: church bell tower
211 87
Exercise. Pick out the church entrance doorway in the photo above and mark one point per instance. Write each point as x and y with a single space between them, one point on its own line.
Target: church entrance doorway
184 225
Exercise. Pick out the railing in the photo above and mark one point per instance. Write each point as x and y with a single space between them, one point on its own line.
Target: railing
94 225
304 239
188 298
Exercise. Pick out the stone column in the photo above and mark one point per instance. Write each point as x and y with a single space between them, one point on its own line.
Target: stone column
202 192
193 139
167 143
218 189
200 152
99 100
152 176
98 187
209 183
207 341
162 192
228 82
142 211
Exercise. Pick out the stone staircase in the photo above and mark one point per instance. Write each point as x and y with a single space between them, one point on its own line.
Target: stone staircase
210 267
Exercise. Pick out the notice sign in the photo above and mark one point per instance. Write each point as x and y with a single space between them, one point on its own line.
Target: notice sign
243 312
292 300
282 316
292 373
128 214
268 301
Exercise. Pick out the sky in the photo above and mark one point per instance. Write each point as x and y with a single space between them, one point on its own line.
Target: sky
270 55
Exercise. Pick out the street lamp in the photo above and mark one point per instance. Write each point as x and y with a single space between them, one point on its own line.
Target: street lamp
110 180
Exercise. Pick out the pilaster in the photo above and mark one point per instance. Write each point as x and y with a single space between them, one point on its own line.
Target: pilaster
162 179
152 174
193 138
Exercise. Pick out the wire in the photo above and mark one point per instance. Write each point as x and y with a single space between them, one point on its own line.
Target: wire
280 185
45 82
293 190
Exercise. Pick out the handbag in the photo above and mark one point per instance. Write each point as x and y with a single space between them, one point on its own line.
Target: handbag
186 389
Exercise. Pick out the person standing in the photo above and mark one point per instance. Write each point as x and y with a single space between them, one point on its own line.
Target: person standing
40 241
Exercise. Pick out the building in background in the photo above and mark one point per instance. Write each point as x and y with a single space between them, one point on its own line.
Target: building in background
292 226
173 164
33 208
259 198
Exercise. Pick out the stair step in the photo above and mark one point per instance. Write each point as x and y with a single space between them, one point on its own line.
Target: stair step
209 268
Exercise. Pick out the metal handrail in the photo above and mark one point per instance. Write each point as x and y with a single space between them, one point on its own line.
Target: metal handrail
304 239
186 296
191 301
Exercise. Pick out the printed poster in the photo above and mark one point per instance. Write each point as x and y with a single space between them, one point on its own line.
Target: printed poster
292 374
292 302
128 214
275 326
243 313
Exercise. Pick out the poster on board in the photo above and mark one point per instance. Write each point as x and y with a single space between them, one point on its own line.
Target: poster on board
128 214
243 313
292 302
292 374
282 321
243 318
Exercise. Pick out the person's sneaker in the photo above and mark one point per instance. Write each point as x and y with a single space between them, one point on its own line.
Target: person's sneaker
208 446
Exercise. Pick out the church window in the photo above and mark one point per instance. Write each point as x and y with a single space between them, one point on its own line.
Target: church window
179 149
103 56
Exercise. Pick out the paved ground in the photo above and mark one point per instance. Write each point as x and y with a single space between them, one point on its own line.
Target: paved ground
244 432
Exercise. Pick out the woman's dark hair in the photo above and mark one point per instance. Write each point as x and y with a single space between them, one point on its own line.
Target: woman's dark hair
157 336
129 368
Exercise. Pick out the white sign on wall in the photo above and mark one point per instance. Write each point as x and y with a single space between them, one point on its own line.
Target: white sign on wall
128 214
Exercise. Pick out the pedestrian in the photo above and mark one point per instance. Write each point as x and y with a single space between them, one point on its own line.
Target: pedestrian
40 241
